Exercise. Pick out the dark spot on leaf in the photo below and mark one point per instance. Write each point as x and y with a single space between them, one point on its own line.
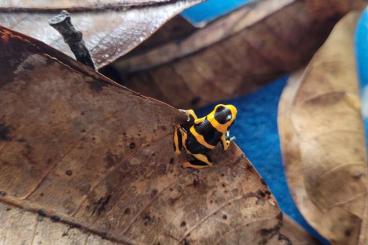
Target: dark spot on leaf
222 175
69 172
41 194
77 226
100 206
132 145
82 113
183 223
279 216
195 182
250 168
223 185
41 213
127 211
171 160
96 85
2 193
186 242
174 200
147 219
224 216
4 132
103 235
195 101
21 140
348 232
83 130
153 193
55 218
8 209
261 193
111 159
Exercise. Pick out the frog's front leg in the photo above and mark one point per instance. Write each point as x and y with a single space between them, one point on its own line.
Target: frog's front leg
200 161
226 140
192 117
178 145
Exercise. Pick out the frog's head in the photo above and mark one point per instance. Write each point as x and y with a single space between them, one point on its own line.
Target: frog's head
222 117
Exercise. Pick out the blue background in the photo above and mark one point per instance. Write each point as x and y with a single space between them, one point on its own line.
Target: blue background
256 125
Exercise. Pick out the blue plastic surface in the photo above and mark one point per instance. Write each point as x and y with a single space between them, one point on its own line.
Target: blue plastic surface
361 49
211 9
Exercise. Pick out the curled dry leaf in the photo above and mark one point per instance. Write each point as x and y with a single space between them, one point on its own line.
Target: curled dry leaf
231 56
109 30
82 149
322 140
46 5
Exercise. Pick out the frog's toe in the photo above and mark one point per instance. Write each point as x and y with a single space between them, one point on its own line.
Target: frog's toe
194 166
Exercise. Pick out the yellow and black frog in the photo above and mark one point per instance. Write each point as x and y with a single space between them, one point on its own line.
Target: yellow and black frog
198 136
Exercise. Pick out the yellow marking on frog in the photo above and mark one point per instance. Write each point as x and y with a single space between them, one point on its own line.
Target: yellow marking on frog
200 138
222 128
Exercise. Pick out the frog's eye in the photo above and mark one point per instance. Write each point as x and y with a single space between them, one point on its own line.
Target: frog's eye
228 117
220 108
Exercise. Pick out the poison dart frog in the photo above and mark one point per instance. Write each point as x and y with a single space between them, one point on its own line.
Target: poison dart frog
198 136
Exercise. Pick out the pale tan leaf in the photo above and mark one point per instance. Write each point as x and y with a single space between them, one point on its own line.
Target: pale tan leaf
322 139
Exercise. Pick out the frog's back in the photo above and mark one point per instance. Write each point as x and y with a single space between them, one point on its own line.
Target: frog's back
209 133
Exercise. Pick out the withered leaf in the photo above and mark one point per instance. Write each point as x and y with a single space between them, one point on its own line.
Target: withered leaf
109 31
45 5
322 140
231 56
77 146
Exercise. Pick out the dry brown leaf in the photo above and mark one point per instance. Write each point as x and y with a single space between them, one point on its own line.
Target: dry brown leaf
322 140
79 148
231 56
46 5
109 31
